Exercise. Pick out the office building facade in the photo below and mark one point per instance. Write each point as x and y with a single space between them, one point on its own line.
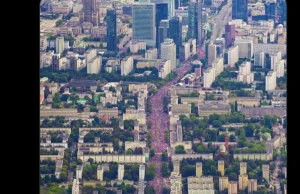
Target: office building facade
229 34
195 20
161 13
111 19
175 32
240 10
143 23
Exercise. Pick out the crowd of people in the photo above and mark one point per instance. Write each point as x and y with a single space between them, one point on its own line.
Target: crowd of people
160 123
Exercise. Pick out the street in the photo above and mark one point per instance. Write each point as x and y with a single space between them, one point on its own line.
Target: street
220 20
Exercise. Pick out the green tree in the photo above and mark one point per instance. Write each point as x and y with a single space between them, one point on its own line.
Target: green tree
116 144
164 156
165 170
180 150
152 152
59 23
221 138
55 189
166 136
166 190
129 151
149 189
232 138
150 172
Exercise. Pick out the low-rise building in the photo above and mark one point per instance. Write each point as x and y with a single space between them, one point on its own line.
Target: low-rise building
207 108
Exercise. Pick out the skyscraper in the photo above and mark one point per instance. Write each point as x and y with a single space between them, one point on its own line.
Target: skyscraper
271 10
161 13
111 19
229 34
240 10
143 23
171 6
282 11
162 31
89 12
195 20
175 32
59 45
199 20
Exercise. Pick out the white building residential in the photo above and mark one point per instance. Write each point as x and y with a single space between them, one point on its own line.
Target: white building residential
94 65
271 81
233 55
126 65
245 47
245 74
168 51
259 59
209 77
164 68
218 64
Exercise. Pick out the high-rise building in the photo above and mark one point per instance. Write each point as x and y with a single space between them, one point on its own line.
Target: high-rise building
143 23
168 51
266 172
161 13
176 166
177 4
232 187
229 34
176 183
111 19
198 169
212 54
221 167
209 77
271 11
162 31
218 64
75 187
100 172
126 65
240 10
121 172
89 12
199 20
282 11
223 183
175 32
259 59
179 131
243 181
274 59
243 168
171 6
59 45
245 47
142 172
164 68
233 55
195 20
271 81
252 185
279 68
245 75
94 65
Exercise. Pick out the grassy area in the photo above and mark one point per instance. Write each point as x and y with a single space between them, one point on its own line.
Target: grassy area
43 190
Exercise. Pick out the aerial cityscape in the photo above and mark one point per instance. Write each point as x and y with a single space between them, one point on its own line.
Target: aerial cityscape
163 97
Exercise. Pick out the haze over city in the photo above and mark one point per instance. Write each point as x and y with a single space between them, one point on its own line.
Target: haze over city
163 97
